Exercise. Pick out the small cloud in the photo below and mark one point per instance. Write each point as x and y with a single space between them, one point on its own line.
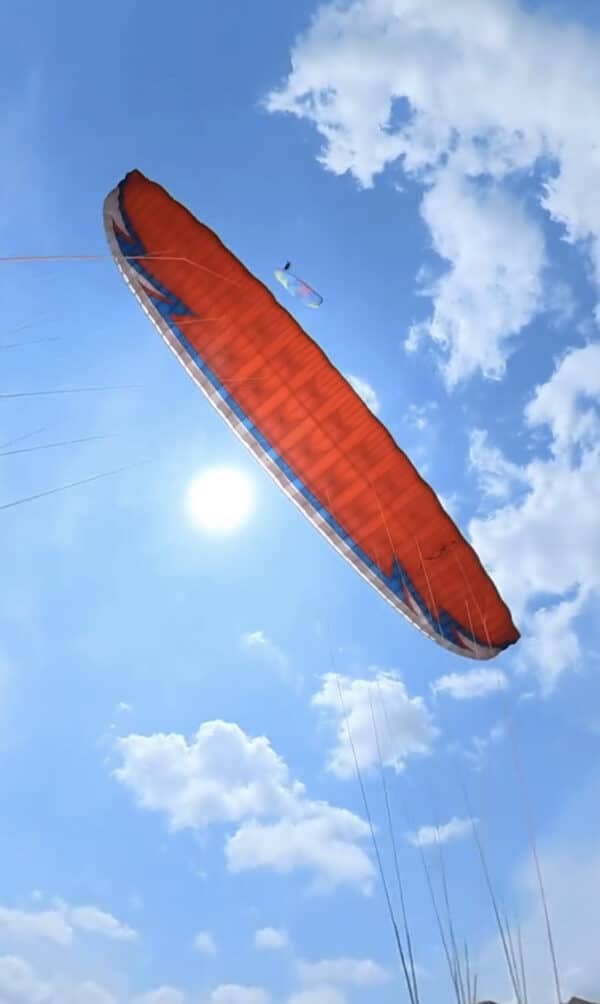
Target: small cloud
528 695
497 476
19 982
403 723
419 415
480 745
60 923
365 391
470 685
95 921
318 995
258 642
454 829
49 925
552 640
560 302
162 995
451 503
205 943
234 993
123 708
344 971
271 938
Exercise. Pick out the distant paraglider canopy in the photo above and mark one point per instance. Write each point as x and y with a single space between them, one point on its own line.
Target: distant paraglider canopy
303 421
297 287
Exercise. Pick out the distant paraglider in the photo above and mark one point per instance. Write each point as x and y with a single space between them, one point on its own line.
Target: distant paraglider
303 421
297 287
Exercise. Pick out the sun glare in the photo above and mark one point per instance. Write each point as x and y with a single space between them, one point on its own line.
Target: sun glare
220 499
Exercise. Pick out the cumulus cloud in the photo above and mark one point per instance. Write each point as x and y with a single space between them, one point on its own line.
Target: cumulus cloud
493 285
325 843
470 685
90 992
318 995
567 404
403 724
542 543
223 776
365 391
22 982
478 751
259 643
454 829
19 984
419 415
205 943
498 476
234 993
94 921
457 96
272 938
343 971
60 923
48 924
162 995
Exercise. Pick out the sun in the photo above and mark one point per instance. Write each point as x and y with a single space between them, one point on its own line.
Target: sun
220 499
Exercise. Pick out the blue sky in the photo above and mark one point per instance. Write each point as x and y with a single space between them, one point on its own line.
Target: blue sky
181 822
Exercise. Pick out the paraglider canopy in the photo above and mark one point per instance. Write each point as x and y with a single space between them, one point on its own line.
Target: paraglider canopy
302 420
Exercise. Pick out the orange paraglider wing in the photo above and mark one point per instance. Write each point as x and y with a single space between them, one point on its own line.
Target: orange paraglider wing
303 421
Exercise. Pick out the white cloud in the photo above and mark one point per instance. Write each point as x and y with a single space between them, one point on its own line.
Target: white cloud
48 924
454 829
260 644
419 415
324 842
223 776
87 993
498 477
493 286
344 971
162 995
472 684
95 921
451 503
404 726
568 402
22 983
233 993
457 95
19 984
480 746
60 924
543 545
271 938
365 391
318 995
204 942
551 642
